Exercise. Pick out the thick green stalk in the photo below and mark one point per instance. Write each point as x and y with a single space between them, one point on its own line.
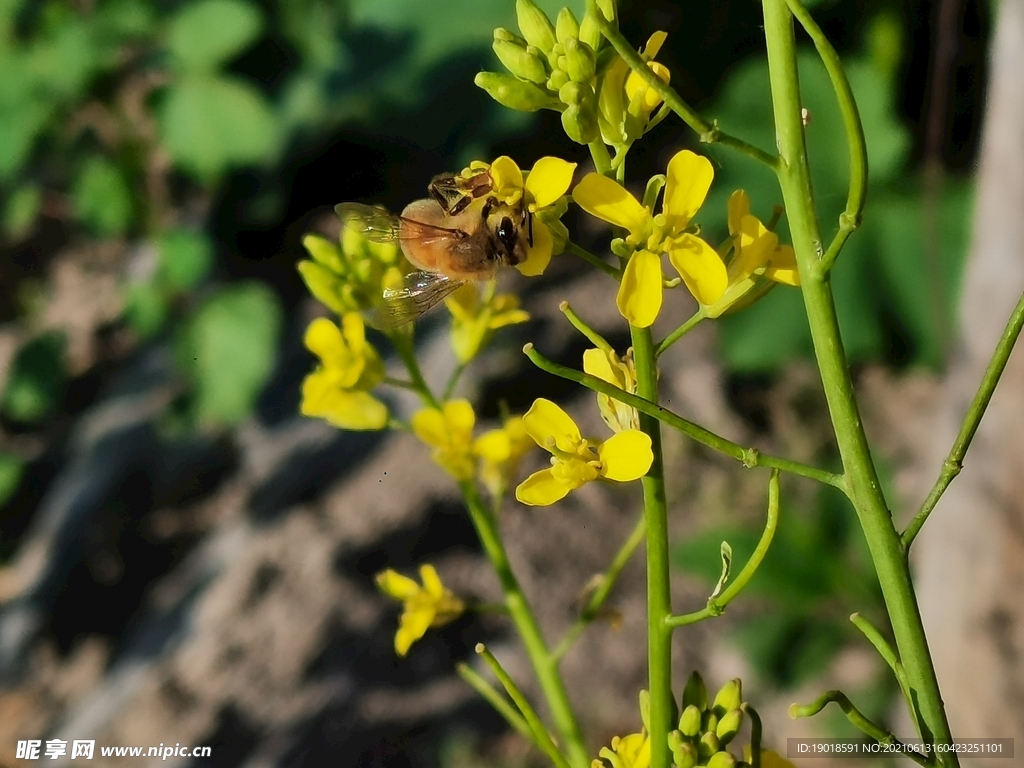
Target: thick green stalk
545 666
863 488
659 596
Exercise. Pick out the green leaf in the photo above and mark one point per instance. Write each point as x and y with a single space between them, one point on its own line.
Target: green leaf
203 35
185 257
37 379
19 125
228 349
145 308
11 470
212 123
21 210
101 198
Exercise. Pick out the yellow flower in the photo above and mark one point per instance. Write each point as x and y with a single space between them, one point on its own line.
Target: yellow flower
427 607
449 432
702 269
625 101
476 317
543 188
501 451
632 751
338 390
621 372
758 259
576 461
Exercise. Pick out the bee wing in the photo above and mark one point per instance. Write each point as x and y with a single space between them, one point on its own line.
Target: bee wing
381 226
421 292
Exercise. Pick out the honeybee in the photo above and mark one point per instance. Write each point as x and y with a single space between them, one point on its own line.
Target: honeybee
449 239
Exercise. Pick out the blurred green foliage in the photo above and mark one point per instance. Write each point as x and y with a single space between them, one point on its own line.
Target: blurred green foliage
37 378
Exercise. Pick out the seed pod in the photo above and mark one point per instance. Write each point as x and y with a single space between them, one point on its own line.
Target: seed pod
519 62
511 92
729 725
566 26
581 63
689 721
535 25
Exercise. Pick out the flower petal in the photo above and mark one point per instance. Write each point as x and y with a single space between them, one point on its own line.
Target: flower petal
700 267
412 626
494 446
654 43
549 179
596 363
626 456
539 254
541 489
640 292
429 426
782 266
545 419
393 584
431 581
346 409
323 338
507 178
354 331
608 200
754 248
459 417
739 206
689 179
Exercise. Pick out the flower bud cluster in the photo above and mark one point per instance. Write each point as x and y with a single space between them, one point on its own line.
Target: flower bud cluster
350 275
705 731
550 66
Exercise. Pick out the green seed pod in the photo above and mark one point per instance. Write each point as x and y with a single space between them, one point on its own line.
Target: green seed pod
581 63
323 284
684 754
707 746
509 37
722 760
511 92
519 62
695 693
589 32
689 721
729 697
580 124
729 725
557 80
535 25
566 26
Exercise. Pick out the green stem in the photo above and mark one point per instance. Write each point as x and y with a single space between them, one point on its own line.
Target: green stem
495 699
679 332
659 595
855 716
519 609
749 457
453 381
392 382
405 347
716 605
593 260
955 460
849 220
541 737
863 487
581 325
709 132
599 152
606 581
889 655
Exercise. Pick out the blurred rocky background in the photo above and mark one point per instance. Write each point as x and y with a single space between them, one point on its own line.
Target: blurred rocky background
184 559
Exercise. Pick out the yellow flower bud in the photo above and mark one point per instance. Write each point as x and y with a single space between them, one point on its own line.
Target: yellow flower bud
729 725
707 746
324 252
589 32
535 25
519 61
581 63
324 285
684 755
559 77
511 92
566 26
580 124
689 721
722 760
729 697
